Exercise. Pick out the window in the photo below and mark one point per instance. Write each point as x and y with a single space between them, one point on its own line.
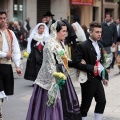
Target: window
18 10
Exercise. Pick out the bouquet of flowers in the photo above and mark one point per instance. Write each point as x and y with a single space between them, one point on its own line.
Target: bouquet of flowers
25 54
107 60
53 92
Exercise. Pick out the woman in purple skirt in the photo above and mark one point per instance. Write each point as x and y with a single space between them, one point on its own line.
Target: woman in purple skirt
54 97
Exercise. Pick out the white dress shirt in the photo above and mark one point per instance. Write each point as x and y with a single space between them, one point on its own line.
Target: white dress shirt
97 49
16 54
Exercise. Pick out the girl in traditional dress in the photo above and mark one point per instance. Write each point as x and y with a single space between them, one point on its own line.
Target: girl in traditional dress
52 97
36 42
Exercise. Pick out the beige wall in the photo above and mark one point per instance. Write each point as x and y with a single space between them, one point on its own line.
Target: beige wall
31 11
86 13
97 3
10 10
60 8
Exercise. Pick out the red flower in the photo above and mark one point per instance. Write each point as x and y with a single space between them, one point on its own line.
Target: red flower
103 51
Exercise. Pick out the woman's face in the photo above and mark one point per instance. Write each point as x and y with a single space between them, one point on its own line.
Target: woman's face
41 29
62 33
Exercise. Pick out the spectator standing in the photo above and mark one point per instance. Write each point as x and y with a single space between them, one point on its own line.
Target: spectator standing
27 26
17 30
109 34
11 25
49 19
44 20
23 39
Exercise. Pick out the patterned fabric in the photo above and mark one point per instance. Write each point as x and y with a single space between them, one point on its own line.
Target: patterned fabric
9 41
49 64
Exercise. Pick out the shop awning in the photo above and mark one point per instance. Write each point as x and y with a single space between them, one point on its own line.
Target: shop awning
82 2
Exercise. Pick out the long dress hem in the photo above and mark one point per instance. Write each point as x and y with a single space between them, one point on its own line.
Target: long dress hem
66 108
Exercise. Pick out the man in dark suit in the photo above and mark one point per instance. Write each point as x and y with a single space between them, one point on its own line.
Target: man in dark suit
49 19
91 52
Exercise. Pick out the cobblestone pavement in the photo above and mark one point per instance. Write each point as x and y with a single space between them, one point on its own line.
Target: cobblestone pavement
16 107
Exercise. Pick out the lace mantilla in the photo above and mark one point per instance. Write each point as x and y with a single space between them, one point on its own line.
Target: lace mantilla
45 78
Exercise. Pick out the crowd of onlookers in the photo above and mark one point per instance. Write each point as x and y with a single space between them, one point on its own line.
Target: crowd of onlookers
21 30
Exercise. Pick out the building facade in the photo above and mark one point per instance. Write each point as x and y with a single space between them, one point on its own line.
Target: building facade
110 6
20 10
62 9
87 12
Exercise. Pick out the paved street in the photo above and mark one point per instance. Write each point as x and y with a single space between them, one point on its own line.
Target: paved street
16 107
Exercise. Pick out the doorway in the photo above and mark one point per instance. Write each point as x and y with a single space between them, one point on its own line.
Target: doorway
74 12
95 14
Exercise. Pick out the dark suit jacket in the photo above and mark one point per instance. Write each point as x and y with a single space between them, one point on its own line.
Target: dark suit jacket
53 21
87 52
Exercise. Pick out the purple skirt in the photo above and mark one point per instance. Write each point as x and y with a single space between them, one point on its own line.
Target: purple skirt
66 108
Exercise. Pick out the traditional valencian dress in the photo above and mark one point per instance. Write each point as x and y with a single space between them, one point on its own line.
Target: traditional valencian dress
66 104
35 46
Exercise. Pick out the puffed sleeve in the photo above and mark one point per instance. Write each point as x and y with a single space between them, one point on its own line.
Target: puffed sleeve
16 54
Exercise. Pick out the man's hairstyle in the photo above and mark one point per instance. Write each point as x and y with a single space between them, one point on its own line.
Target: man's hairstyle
94 24
2 12
108 14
